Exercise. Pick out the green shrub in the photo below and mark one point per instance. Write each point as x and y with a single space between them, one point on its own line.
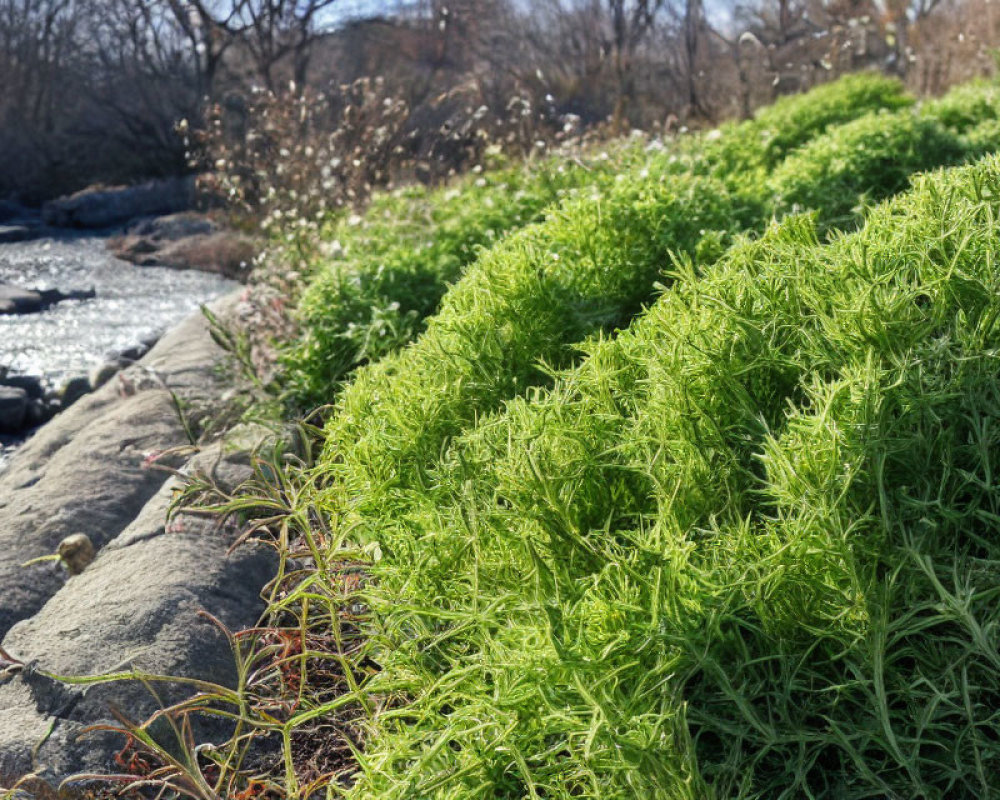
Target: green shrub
982 138
760 144
747 549
393 265
589 266
865 160
965 106
793 121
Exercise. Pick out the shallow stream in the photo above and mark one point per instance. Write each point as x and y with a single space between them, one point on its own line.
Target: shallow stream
132 304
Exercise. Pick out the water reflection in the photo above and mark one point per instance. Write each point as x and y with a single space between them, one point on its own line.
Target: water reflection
132 304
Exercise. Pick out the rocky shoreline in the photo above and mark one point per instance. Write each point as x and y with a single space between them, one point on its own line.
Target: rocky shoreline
27 402
108 468
44 250
95 578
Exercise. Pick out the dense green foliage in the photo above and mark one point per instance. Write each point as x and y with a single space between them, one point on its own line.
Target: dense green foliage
663 507
395 263
792 121
748 545
965 106
746 151
590 265
867 159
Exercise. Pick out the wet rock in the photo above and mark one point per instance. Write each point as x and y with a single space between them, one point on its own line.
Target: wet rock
132 354
169 228
39 412
52 296
37 407
73 390
32 384
103 207
186 241
100 375
15 300
118 361
13 408
15 233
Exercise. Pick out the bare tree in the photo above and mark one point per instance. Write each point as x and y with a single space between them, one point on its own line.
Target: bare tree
42 69
775 22
269 32
631 23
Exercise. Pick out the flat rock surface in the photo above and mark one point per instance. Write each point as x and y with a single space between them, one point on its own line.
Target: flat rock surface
86 471
137 605
82 473
186 241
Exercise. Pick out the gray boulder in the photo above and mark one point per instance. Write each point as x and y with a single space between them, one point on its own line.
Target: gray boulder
172 227
137 606
104 207
73 390
15 233
14 300
116 362
87 471
186 241
37 408
102 373
32 384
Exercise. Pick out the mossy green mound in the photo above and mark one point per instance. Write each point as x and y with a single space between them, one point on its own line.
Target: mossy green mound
867 159
965 106
748 149
392 266
747 549
589 266
665 501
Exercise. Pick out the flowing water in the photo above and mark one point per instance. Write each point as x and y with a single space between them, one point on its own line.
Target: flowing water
132 304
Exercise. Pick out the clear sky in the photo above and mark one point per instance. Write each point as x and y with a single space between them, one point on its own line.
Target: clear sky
351 9
719 12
